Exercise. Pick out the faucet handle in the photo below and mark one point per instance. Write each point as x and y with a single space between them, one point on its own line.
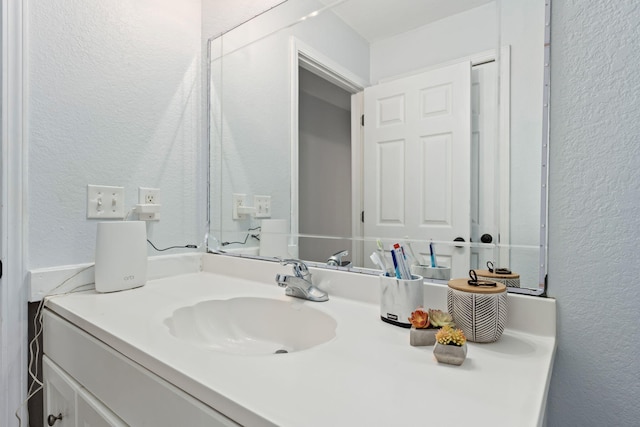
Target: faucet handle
299 267
336 259
281 280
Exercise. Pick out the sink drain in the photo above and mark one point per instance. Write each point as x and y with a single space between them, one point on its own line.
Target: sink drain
281 351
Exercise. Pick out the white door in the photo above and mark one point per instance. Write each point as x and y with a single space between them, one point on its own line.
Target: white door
417 162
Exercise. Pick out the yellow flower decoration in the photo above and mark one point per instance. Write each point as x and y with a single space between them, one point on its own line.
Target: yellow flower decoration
449 336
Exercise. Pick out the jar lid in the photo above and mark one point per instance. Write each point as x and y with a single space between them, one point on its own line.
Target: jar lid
487 273
463 286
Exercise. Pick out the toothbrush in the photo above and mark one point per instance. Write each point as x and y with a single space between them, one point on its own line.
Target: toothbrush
381 255
434 264
377 261
396 265
417 259
399 261
405 264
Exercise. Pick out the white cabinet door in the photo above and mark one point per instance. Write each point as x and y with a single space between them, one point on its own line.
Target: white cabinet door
417 150
59 396
92 413
67 403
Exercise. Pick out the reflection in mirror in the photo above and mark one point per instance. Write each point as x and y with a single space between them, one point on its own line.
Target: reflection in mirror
358 123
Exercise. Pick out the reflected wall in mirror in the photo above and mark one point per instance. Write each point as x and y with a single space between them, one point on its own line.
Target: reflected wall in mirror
360 120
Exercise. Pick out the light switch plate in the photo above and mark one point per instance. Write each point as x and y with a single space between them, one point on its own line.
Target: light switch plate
105 202
263 206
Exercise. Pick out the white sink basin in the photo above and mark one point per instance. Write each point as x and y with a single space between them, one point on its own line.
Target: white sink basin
252 326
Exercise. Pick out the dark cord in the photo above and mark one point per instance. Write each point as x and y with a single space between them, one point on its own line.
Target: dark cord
173 247
255 236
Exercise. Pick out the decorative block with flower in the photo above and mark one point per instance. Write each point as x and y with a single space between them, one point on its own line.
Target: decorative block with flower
433 319
451 346
425 324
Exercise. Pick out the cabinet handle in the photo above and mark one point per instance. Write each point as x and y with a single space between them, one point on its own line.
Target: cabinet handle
51 419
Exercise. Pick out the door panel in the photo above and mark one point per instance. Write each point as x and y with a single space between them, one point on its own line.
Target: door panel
435 160
390 163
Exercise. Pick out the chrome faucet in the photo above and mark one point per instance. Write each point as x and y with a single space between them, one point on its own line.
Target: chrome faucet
299 285
336 259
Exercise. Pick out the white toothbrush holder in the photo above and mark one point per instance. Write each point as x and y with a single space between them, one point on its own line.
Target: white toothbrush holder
436 273
399 298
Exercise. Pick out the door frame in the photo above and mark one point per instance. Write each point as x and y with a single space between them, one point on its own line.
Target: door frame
303 55
13 292
357 178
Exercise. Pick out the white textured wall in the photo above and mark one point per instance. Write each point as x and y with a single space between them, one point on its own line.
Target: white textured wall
113 99
445 40
594 216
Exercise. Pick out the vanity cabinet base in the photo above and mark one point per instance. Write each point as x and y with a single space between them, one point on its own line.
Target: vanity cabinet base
106 382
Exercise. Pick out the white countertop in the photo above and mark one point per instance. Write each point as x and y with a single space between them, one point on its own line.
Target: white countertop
367 375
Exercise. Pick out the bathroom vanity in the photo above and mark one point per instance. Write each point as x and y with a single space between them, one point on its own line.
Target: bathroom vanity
143 357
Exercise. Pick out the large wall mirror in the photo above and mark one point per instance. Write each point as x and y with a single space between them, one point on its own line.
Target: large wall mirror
339 126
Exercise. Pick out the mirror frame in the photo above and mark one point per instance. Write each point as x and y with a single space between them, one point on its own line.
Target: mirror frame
544 172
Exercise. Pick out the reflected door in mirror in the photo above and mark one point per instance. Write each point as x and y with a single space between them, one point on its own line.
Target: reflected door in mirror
415 127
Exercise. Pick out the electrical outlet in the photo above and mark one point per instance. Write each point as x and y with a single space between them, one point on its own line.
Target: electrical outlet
263 206
237 201
105 202
149 196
